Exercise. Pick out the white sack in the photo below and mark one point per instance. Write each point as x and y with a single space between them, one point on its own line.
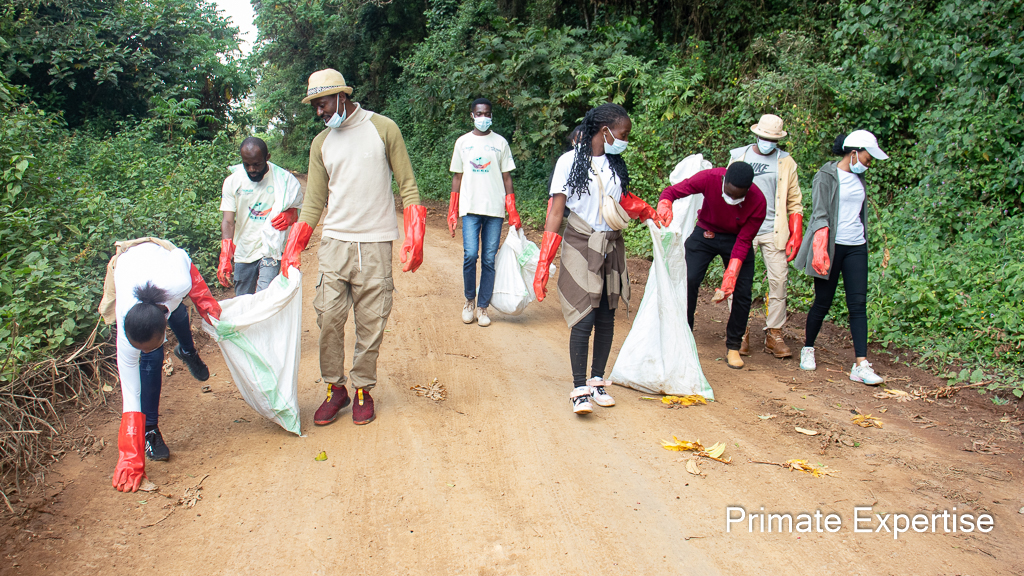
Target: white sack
684 210
511 294
259 336
659 355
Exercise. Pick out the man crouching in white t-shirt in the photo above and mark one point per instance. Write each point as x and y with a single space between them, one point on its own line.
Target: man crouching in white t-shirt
260 201
481 193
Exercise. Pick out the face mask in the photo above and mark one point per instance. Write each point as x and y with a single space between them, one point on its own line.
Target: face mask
256 177
616 147
729 199
766 146
335 121
855 166
482 123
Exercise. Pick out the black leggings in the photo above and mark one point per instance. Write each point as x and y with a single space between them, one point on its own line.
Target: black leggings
852 263
600 321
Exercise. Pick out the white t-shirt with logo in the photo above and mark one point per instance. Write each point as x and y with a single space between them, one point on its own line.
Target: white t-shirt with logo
850 230
255 204
481 160
587 206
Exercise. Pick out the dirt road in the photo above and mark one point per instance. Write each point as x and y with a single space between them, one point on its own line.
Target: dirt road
501 478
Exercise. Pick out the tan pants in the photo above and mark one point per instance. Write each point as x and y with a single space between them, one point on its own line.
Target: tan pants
778 272
353 276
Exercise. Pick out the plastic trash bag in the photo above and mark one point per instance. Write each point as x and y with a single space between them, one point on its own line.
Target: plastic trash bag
659 355
514 268
259 336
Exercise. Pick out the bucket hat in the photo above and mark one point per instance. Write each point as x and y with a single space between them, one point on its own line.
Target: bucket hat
866 140
324 83
769 127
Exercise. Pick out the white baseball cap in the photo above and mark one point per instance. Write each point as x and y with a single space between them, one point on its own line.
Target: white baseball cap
866 140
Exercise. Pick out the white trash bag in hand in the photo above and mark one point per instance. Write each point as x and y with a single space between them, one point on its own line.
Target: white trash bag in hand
514 268
259 335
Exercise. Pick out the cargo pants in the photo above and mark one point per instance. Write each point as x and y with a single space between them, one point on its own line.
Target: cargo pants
356 276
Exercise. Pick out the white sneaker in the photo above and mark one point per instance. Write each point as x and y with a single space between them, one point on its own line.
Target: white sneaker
467 311
601 396
581 400
863 373
807 358
482 318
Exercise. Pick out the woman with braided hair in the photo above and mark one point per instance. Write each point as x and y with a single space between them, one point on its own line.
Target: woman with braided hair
592 182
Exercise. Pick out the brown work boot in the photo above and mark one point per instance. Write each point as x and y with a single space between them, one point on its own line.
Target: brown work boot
774 344
733 360
745 345
362 410
337 398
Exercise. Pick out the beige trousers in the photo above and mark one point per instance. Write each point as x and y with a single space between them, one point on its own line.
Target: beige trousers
778 272
356 276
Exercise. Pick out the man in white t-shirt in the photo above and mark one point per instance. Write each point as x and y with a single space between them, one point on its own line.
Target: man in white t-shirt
260 200
780 234
481 193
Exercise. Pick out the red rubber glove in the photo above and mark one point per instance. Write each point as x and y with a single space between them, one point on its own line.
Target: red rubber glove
202 298
796 236
638 209
285 219
728 280
297 241
227 257
453 213
819 252
548 248
665 211
513 215
415 225
131 452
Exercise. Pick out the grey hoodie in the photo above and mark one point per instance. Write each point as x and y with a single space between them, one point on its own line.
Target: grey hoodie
825 212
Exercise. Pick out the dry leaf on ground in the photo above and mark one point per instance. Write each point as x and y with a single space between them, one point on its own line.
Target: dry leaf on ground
714 453
684 400
147 486
168 367
899 395
866 421
691 467
434 391
766 416
321 456
806 431
804 466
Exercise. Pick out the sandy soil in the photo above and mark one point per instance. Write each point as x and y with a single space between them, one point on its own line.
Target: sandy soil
501 478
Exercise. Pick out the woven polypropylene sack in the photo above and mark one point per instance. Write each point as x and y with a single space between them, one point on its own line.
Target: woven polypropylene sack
259 335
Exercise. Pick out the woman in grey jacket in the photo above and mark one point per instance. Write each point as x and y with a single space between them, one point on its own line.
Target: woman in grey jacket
836 243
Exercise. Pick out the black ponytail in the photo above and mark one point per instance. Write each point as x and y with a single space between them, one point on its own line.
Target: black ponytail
146 319
579 175
839 150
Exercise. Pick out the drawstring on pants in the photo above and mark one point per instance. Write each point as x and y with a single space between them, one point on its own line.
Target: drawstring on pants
359 249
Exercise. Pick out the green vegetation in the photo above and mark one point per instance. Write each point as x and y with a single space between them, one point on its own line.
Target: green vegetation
119 117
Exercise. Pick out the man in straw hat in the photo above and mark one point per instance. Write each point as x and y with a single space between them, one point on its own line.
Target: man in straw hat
350 168
779 236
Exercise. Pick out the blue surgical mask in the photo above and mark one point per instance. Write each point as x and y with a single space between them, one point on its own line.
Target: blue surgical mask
335 121
766 146
482 123
855 166
616 147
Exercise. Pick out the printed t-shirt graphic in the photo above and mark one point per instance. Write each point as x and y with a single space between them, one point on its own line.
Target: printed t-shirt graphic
766 177
481 161
253 203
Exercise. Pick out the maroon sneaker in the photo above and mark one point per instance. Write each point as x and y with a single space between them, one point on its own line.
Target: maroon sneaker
362 410
337 398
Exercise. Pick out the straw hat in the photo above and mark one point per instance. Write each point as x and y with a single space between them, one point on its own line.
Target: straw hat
324 83
769 127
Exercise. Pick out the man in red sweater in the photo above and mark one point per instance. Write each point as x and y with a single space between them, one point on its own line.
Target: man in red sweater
733 211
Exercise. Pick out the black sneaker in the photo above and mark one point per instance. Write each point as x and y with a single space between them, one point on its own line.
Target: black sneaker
156 450
195 364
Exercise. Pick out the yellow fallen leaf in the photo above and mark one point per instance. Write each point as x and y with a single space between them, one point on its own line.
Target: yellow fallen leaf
866 421
716 450
684 400
691 467
804 466
681 445
321 456
806 431
898 395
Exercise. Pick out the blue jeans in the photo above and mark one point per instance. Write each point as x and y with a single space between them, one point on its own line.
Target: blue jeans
477 229
251 277
151 364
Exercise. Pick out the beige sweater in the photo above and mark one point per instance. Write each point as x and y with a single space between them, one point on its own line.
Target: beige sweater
350 172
